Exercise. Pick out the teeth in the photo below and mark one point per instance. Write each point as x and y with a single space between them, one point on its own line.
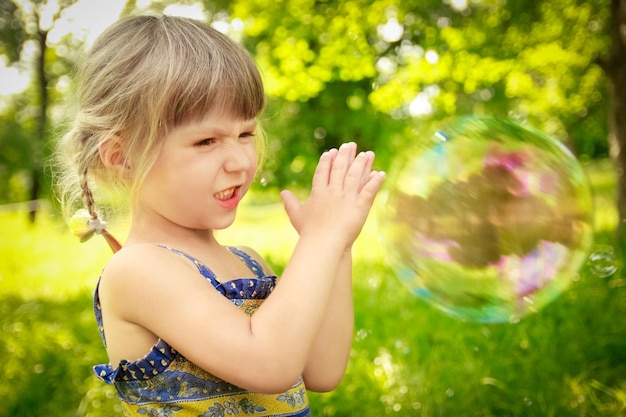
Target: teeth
226 194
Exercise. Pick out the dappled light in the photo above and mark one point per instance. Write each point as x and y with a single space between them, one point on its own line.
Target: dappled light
379 73
407 358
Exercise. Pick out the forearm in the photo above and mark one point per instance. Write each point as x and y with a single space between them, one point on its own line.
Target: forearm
289 321
307 322
330 353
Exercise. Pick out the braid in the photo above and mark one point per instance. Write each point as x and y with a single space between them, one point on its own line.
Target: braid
87 222
87 194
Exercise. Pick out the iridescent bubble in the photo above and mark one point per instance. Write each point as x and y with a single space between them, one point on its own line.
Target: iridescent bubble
487 220
602 261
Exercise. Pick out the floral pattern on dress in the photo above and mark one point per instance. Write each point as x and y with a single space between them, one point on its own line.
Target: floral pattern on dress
294 399
232 407
166 384
165 411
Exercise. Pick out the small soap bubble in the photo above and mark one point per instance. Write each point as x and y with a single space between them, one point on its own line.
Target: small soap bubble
602 261
361 334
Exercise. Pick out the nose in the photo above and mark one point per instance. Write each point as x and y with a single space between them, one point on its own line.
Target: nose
238 158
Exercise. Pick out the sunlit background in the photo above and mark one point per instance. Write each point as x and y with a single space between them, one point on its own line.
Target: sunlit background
380 72
84 20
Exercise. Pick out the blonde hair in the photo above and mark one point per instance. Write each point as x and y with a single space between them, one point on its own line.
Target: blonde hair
144 76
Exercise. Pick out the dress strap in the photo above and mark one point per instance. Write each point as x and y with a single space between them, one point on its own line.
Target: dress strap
204 270
251 263
97 309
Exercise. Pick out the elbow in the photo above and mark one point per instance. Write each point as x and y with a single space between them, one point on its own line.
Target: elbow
284 380
273 378
322 386
323 383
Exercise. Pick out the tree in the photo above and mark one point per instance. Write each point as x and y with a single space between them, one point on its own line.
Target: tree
28 23
615 67
361 69
378 71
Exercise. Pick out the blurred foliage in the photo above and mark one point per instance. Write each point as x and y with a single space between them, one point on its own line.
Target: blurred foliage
26 137
16 152
407 359
12 31
376 72
49 340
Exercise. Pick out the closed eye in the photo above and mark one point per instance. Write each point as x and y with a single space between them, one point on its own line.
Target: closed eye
247 135
205 142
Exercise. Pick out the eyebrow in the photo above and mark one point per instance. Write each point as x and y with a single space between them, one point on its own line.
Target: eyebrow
215 129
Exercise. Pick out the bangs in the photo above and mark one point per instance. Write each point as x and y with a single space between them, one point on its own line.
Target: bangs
236 92
219 76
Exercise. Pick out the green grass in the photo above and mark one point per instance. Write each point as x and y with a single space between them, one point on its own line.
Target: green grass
408 359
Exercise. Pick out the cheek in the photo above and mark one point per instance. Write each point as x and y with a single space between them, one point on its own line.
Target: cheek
254 158
254 166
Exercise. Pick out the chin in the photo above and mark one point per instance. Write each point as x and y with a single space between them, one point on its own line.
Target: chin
225 224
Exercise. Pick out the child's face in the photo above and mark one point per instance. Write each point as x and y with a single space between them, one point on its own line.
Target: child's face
201 174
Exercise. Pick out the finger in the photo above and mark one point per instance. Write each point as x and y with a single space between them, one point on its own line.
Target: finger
333 154
291 204
358 172
342 162
352 151
368 168
322 171
371 187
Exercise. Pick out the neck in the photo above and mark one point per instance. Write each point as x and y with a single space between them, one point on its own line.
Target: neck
162 232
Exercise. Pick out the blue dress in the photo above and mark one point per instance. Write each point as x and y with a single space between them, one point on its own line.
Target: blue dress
165 383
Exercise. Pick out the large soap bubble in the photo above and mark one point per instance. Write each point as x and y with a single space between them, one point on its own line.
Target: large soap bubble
487 220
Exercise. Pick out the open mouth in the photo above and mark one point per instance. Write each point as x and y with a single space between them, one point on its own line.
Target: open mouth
227 194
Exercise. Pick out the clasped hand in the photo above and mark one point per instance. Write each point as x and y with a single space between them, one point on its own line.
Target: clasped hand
342 193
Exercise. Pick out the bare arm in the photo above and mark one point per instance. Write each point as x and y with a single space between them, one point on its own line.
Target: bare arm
330 352
266 352
331 316
329 356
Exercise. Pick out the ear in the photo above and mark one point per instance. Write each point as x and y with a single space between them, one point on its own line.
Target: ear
113 157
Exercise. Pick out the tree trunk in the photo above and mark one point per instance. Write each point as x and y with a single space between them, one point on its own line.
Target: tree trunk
41 126
616 71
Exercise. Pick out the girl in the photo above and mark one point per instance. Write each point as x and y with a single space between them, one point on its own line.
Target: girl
166 113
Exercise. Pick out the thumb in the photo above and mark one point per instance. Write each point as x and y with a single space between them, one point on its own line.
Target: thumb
290 202
292 207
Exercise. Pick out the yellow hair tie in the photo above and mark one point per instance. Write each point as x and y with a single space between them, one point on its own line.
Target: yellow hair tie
84 226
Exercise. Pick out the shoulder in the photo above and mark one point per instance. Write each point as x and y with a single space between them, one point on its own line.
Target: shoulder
140 257
137 274
138 267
